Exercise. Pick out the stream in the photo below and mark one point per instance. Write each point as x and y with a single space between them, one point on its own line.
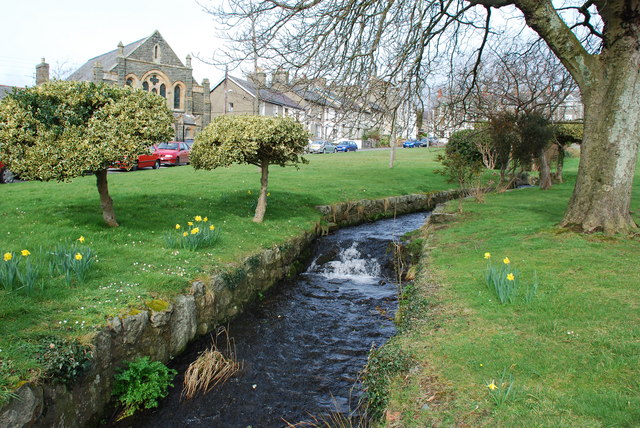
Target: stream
303 346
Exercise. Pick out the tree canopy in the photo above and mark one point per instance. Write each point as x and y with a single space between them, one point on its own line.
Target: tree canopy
61 130
254 140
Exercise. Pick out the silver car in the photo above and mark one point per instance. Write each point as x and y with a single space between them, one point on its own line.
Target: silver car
321 147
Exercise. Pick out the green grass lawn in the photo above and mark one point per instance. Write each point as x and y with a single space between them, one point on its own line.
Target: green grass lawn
134 264
573 352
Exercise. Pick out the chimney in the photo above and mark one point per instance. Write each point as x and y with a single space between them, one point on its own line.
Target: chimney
280 77
42 72
98 72
258 78
188 61
120 49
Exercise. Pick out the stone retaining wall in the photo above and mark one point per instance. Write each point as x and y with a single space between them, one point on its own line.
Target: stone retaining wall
164 329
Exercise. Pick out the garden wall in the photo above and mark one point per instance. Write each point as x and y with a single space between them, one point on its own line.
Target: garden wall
163 329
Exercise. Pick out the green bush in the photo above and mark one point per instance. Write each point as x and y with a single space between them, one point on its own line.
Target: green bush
464 144
142 384
63 360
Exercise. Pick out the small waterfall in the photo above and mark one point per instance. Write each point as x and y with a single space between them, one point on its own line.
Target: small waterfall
351 265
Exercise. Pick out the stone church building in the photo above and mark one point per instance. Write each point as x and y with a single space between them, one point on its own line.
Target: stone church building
151 64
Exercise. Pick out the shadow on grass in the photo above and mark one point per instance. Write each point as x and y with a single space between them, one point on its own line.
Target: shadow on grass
149 212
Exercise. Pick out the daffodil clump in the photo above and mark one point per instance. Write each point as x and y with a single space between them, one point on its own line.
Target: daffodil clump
504 280
73 261
17 272
23 271
196 233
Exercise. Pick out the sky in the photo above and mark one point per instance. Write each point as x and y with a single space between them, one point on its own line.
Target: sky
67 33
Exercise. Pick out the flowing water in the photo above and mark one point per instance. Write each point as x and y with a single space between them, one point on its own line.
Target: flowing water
304 345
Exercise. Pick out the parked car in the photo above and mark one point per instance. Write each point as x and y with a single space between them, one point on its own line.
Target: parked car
173 153
410 144
321 146
347 146
6 176
150 159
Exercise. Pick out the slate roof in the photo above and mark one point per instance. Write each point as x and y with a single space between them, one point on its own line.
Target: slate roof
6 90
108 60
268 95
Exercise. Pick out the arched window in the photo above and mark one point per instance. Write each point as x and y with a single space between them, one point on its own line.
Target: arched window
176 97
130 82
156 52
163 91
145 86
154 90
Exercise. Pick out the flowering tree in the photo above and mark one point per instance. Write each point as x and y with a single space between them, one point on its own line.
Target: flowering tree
255 140
61 130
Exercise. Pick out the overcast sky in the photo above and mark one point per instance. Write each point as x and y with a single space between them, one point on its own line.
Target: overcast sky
67 33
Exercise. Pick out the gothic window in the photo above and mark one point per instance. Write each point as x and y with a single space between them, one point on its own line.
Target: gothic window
154 90
163 91
130 82
145 86
176 97
156 53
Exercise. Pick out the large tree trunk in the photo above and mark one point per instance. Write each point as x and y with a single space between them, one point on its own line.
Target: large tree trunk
560 164
602 196
545 171
261 208
106 202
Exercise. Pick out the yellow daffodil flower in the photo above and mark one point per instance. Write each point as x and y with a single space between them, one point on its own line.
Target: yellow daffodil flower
268 193
78 256
177 226
81 239
25 253
195 230
510 277
185 233
7 257
492 386
506 261
212 227
248 192
197 218
206 219
190 223
487 255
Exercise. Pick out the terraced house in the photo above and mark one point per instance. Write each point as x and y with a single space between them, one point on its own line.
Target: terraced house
152 65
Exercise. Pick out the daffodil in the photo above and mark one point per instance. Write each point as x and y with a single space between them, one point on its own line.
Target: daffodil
81 239
7 256
248 192
268 193
195 230
506 261
206 219
177 226
492 386
510 277
197 218
25 253
185 233
78 256
190 223
487 255
212 227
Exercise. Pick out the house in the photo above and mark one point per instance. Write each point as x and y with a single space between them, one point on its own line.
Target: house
152 65
251 96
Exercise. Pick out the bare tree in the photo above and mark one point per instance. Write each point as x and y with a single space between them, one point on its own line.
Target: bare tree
598 41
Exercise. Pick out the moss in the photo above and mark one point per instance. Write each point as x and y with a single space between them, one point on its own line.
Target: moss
158 305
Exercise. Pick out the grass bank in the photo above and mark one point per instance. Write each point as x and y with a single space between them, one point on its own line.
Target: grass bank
135 266
570 357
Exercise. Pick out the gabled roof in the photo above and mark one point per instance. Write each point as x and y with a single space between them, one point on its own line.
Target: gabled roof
108 61
265 94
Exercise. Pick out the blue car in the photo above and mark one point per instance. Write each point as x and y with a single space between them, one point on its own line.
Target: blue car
410 144
347 146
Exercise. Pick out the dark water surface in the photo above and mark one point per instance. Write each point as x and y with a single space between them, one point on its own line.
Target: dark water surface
302 347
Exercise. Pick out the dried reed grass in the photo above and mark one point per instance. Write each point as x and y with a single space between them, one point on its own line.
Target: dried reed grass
211 368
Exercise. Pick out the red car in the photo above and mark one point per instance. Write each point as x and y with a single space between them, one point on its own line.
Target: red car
150 159
173 153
